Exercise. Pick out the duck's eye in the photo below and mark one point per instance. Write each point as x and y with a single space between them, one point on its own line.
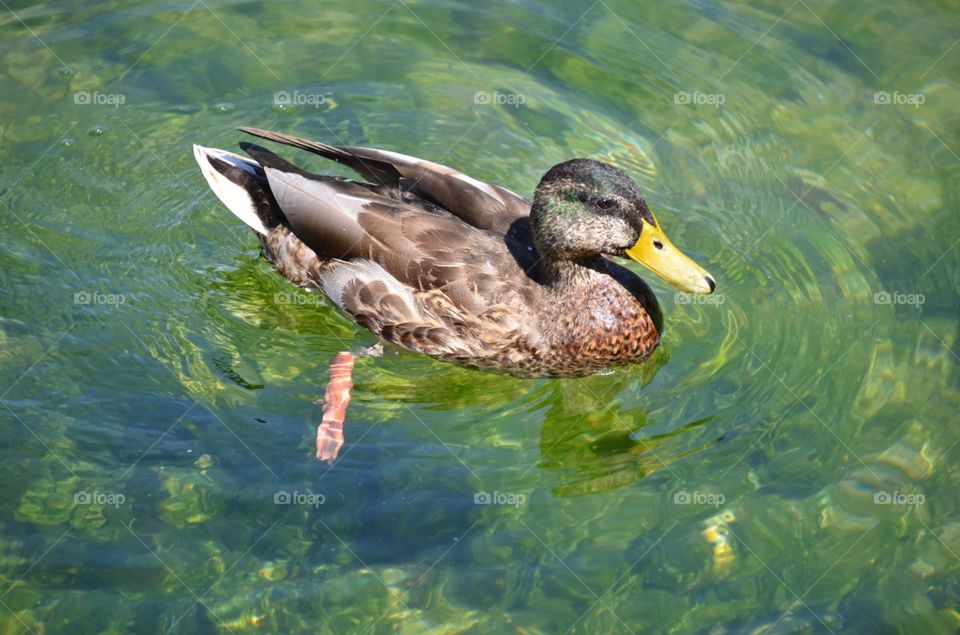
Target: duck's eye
658 244
605 203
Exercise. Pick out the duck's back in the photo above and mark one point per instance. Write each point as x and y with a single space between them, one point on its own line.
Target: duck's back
400 264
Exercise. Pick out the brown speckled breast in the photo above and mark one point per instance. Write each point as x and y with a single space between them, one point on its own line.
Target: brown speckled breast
605 328
607 318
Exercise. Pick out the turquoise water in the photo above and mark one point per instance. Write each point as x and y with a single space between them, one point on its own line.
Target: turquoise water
786 464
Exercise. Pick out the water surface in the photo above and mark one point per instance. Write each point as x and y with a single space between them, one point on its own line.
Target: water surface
786 464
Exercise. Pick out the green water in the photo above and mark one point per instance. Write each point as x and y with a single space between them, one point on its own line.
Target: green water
787 464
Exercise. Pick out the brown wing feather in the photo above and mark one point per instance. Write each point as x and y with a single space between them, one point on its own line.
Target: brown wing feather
430 321
401 264
422 246
482 205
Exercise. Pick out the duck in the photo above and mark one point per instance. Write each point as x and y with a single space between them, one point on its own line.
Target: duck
437 262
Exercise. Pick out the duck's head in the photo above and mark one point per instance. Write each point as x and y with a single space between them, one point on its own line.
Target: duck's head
584 208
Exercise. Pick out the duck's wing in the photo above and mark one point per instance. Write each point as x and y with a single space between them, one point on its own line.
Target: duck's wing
400 266
482 205
423 246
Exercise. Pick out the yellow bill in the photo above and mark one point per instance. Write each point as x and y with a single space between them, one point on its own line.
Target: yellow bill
655 252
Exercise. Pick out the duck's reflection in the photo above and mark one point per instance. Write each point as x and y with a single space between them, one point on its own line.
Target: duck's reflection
588 436
597 443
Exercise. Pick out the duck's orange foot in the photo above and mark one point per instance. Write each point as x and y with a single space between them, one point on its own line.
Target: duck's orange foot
335 402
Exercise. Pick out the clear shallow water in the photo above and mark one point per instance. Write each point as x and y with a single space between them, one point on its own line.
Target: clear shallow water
764 474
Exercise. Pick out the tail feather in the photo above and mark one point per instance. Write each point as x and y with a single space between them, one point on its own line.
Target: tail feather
240 183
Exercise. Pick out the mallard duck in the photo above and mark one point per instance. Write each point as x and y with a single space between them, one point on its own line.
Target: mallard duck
440 263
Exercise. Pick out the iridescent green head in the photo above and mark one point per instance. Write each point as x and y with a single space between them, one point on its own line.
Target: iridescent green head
584 208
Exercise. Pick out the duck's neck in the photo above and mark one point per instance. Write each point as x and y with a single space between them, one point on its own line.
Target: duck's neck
565 275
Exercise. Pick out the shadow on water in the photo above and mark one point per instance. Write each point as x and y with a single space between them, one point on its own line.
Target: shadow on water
600 451
588 437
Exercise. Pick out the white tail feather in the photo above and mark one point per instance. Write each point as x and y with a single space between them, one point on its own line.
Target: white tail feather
232 195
